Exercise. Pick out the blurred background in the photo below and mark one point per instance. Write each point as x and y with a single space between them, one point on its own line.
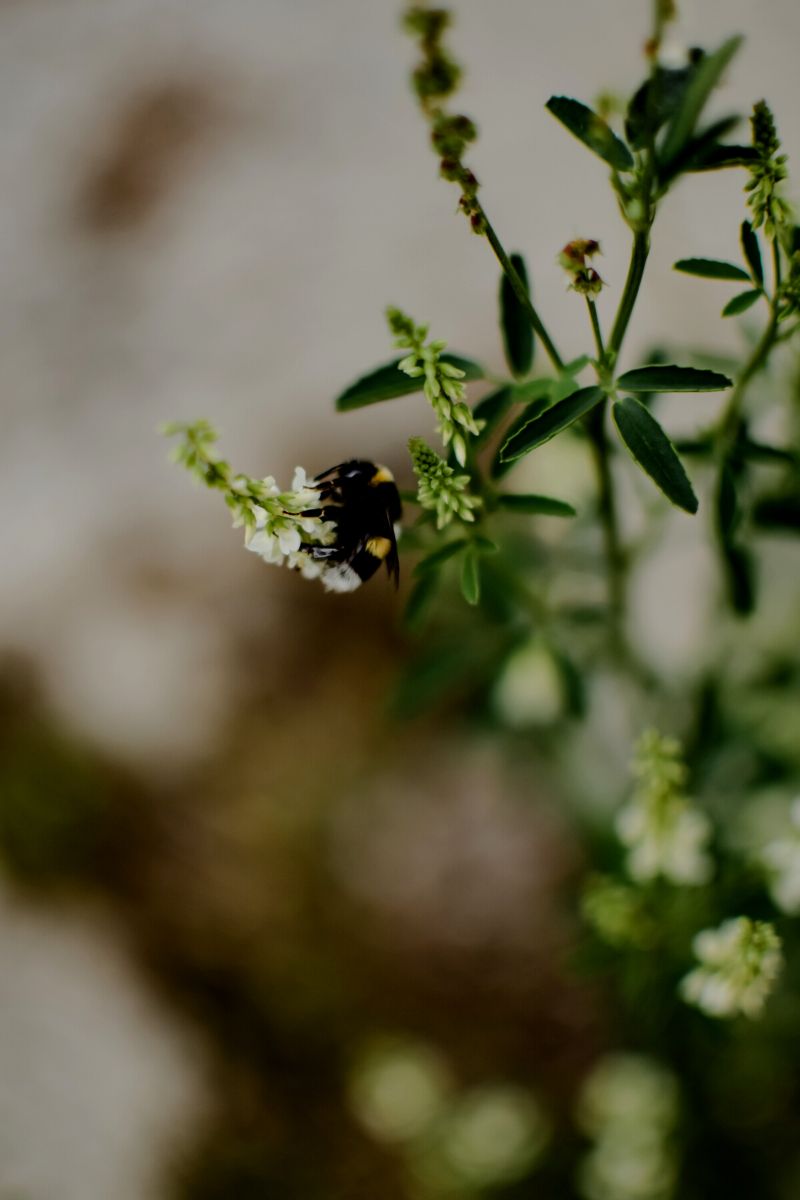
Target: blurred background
253 928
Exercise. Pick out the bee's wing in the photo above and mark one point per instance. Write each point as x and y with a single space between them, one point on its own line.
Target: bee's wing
392 558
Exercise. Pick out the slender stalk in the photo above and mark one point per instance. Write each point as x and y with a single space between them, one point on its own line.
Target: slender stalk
521 293
598 335
607 510
731 417
639 253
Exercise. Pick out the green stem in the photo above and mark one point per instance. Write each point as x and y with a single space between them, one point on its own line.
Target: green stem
639 253
731 418
607 509
598 335
521 293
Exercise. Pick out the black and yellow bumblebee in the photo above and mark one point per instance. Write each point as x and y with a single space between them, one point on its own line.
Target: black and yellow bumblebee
362 500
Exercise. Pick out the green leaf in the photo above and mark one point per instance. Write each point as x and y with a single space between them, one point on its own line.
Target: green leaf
541 429
654 103
727 506
672 379
516 327
500 466
700 152
716 158
546 505
702 447
704 79
576 365
534 389
470 578
385 383
484 545
654 452
434 561
760 452
742 302
419 600
710 268
752 252
779 512
592 131
491 409
740 577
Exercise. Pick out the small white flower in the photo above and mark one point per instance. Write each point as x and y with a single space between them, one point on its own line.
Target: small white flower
665 833
265 545
739 963
781 858
300 480
289 538
667 839
629 1105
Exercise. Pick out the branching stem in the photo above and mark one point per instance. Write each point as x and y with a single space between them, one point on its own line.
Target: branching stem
521 292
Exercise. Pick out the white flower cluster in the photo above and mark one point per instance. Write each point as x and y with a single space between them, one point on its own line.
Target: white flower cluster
277 526
629 1106
739 963
781 860
279 533
665 833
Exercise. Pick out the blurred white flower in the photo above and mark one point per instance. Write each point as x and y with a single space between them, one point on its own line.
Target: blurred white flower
494 1134
781 859
665 833
629 1105
739 963
398 1088
530 690
666 839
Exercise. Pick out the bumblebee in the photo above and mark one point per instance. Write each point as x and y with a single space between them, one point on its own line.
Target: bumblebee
362 500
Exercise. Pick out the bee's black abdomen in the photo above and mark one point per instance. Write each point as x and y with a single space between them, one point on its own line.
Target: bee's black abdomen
362 499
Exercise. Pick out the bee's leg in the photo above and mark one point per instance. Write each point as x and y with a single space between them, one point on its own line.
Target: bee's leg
325 553
328 512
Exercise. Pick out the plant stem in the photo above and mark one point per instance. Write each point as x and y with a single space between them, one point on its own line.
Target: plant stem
639 253
607 509
731 418
598 336
521 293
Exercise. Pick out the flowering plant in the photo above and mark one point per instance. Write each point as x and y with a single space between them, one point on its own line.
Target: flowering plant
684 918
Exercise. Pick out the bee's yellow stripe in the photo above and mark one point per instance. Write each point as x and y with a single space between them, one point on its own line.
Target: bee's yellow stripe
382 475
379 547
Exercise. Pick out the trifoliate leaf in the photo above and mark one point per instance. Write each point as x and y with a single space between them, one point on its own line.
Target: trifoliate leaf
541 429
546 505
672 379
779 512
654 452
710 268
592 130
705 77
752 252
514 322
500 465
740 577
654 103
387 382
742 302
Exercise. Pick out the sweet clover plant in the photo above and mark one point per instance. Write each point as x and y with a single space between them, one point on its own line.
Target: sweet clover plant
684 916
